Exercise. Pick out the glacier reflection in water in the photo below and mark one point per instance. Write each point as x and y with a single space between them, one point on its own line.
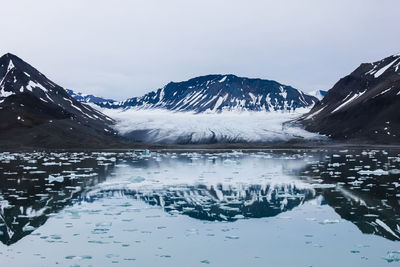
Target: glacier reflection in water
115 205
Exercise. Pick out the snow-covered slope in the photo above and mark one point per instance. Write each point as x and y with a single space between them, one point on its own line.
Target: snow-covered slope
363 105
216 93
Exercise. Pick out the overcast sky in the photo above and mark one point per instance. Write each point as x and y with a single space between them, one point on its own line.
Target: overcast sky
121 49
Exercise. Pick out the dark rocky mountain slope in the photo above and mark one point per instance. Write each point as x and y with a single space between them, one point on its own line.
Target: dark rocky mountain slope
362 106
36 112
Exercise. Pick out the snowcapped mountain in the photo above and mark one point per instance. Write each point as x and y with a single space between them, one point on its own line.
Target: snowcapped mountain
320 94
152 118
215 93
35 111
85 98
363 105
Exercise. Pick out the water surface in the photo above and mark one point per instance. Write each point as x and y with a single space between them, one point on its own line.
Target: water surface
268 208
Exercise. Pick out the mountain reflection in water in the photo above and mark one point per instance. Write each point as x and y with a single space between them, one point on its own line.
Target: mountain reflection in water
361 186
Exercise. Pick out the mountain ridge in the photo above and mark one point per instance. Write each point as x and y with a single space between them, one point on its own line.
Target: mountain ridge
218 92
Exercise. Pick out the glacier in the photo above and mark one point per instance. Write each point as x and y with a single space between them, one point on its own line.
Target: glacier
171 127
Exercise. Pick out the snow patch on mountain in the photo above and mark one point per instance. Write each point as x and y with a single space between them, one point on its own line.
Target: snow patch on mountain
355 96
32 84
223 79
384 68
10 66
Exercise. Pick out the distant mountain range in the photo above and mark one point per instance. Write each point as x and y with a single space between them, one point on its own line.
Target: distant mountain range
362 106
215 93
85 98
35 111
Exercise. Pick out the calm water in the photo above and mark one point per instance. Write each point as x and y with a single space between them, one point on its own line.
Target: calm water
270 208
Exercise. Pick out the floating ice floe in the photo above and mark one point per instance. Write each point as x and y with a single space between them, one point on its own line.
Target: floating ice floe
377 172
52 179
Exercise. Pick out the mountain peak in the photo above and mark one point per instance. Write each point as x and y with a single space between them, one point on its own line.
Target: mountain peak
8 56
12 65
